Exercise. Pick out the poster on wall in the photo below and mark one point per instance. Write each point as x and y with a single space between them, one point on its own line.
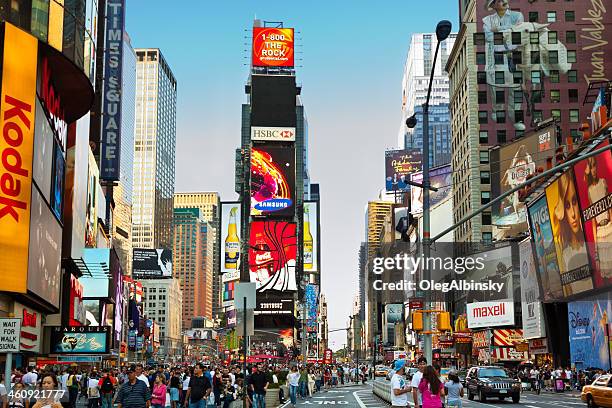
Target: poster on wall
311 236
399 165
594 185
531 306
273 181
587 333
231 220
272 255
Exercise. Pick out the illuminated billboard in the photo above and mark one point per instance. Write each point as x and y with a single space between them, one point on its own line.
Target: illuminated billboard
312 307
273 181
273 47
151 263
311 236
440 178
81 340
531 307
399 164
231 220
272 255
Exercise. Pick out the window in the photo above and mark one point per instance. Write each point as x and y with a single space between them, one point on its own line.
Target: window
483 117
551 16
518 96
535 77
554 76
574 115
534 38
572 95
571 56
537 115
519 116
499 77
498 38
556 114
533 16
517 77
485 177
485 197
500 116
481 77
570 16
517 57
484 156
572 75
499 58
516 38
552 37
479 39
570 37
480 58
500 96
555 96
483 137
486 218
553 57
482 96
487 237
501 136
575 135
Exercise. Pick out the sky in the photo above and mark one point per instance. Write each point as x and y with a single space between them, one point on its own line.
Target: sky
350 56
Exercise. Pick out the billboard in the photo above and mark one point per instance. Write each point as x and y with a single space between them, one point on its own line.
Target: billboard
587 334
498 269
508 337
151 263
531 307
80 340
273 101
545 252
272 255
274 306
31 328
273 181
57 192
230 315
490 314
44 142
594 185
399 164
568 235
311 236
440 178
44 263
17 117
312 306
97 284
231 220
273 47
91 209
201 334
272 134
110 137
511 164
228 291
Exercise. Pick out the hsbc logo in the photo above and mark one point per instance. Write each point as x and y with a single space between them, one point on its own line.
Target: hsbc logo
284 134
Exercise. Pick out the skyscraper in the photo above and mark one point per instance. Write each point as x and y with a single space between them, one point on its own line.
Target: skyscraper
414 93
154 151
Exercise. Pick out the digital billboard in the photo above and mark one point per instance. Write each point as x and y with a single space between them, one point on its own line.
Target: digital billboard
311 236
440 178
273 181
273 101
531 306
44 142
498 268
81 340
399 164
231 220
311 295
545 252
151 263
274 306
272 255
568 235
511 164
594 185
59 170
91 209
588 321
273 47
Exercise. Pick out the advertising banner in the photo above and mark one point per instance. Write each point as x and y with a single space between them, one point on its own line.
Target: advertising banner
31 328
274 306
594 185
97 284
76 308
538 346
231 317
91 215
273 101
312 306
228 291
531 307
587 327
568 234
272 134
230 276
272 255
110 138
507 337
394 313
545 252
80 340
510 354
201 334
273 181
17 117
498 269
481 339
490 314
511 164
44 142
440 178
273 47
152 263
311 236
399 164
231 219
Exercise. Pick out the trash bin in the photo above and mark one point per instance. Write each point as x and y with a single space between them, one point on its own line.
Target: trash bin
559 385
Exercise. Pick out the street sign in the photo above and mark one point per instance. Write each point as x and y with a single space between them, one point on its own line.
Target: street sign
10 330
240 323
242 290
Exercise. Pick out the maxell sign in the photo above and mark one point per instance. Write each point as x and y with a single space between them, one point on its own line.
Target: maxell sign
490 314
266 134
111 98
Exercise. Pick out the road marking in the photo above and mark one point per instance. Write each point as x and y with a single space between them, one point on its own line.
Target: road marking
331 396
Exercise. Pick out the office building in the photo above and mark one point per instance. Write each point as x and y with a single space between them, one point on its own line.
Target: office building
154 151
164 305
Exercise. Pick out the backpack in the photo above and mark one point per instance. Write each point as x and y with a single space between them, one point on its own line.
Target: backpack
107 385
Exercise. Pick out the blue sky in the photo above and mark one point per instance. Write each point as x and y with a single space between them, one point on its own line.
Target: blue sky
350 57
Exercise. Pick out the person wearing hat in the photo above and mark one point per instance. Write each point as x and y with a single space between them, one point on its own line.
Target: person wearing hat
399 386
134 393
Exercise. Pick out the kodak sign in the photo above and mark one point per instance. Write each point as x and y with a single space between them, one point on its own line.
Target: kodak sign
17 108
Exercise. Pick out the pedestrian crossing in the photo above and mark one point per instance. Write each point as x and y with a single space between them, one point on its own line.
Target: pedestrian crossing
366 399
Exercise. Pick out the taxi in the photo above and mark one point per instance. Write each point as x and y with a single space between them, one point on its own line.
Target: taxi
598 394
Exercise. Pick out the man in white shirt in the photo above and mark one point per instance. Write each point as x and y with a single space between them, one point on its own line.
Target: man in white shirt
140 375
399 387
416 380
30 379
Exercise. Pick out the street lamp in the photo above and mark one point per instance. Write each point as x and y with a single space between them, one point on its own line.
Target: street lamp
443 30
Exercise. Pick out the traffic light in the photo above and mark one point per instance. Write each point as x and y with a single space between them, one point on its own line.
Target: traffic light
444 323
417 320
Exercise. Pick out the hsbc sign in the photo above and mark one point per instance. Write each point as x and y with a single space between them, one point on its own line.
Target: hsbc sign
490 314
281 134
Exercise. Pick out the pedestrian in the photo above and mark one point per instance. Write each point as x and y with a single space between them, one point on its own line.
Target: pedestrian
93 390
417 397
72 383
453 390
141 375
175 384
107 385
17 400
186 379
303 383
399 386
199 388
134 393
431 388
218 387
158 397
259 385
311 383
49 385
293 379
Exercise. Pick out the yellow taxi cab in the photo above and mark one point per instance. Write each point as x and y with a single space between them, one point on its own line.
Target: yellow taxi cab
381 371
598 394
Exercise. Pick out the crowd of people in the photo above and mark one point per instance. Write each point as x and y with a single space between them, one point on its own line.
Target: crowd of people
549 379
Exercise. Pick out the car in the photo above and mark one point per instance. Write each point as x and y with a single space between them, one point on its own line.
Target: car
491 381
381 371
462 374
598 394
